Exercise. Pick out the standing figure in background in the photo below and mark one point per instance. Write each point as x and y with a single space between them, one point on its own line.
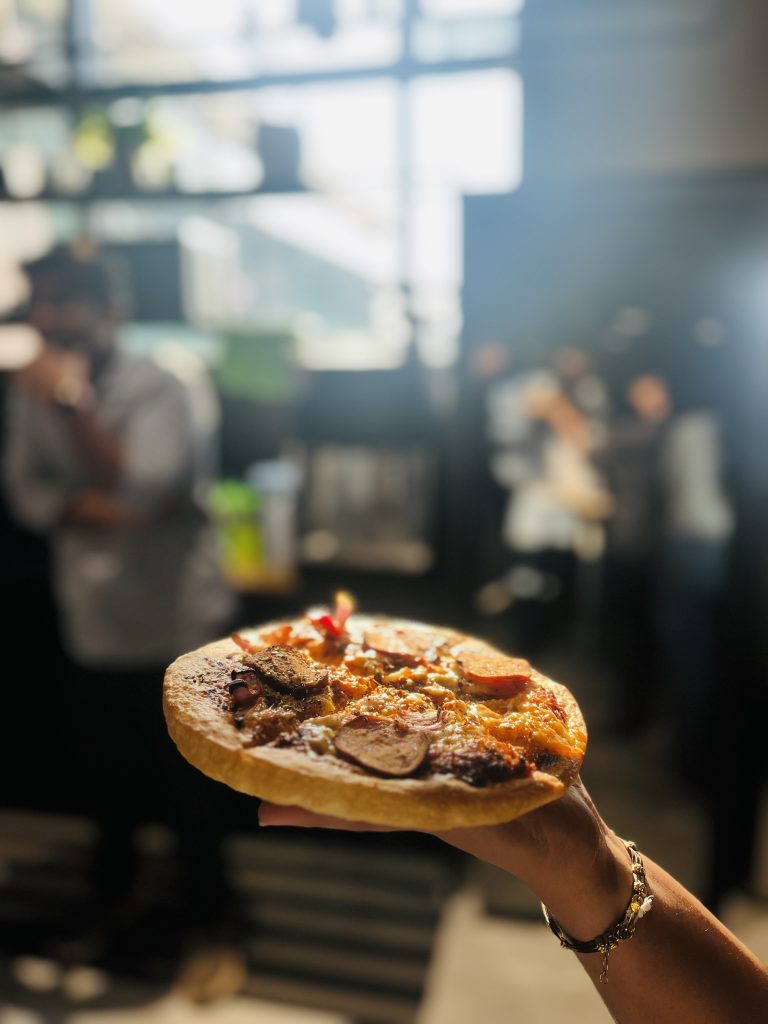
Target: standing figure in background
698 524
629 458
104 455
708 628
543 422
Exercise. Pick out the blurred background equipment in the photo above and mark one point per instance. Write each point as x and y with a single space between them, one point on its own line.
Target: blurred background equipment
473 296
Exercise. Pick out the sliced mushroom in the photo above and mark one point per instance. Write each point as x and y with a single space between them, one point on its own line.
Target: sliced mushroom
385 748
288 669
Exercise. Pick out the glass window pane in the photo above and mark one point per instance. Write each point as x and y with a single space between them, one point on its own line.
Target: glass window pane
465 39
142 40
453 145
329 269
32 36
469 8
348 132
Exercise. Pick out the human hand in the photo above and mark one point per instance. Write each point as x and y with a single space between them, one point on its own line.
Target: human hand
567 829
563 851
94 508
57 374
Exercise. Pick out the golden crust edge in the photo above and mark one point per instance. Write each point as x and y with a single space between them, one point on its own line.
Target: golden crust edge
292 778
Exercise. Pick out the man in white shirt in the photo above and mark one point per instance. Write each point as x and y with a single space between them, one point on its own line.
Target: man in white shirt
101 454
104 455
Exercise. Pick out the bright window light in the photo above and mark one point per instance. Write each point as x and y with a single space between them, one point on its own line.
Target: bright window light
348 134
467 130
333 233
469 8
436 237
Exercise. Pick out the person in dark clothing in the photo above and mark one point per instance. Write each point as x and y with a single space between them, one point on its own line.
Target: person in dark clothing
629 459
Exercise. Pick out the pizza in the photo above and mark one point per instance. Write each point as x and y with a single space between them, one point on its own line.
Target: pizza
376 719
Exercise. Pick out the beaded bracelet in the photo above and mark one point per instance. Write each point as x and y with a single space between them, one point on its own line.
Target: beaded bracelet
640 903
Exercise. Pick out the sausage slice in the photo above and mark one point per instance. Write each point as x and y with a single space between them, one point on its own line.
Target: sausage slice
401 643
385 748
287 669
494 671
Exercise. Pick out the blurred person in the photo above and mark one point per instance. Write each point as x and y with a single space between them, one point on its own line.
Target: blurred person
542 418
669 959
735 818
629 458
103 454
698 525
713 604
711 617
29 615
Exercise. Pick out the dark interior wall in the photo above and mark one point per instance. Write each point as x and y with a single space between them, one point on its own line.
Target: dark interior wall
554 261
644 86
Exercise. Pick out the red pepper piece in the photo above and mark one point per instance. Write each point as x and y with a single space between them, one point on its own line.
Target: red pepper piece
245 644
325 625
333 624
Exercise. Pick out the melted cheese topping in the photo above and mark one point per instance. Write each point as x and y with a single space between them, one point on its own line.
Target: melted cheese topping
432 694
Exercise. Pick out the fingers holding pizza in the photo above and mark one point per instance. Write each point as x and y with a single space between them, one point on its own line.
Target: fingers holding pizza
562 839
297 817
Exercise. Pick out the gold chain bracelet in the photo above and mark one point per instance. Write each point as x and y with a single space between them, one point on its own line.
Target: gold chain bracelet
640 903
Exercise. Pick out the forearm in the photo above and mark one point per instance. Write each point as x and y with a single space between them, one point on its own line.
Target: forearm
681 964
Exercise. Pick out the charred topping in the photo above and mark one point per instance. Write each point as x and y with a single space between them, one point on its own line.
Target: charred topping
545 760
239 721
480 765
272 724
287 669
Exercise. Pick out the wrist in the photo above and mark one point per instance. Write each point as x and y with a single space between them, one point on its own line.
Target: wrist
587 898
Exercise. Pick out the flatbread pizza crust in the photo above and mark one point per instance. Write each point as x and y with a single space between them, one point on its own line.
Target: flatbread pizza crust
329 785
